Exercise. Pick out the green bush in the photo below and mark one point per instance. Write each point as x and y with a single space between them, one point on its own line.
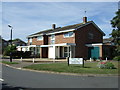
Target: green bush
109 65
105 65
9 49
117 58
94 58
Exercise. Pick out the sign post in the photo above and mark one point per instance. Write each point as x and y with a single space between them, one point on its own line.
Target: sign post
68 60
83 63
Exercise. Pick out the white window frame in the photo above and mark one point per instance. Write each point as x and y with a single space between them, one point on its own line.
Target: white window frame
68 51
52 38
30 40
68 35
39 38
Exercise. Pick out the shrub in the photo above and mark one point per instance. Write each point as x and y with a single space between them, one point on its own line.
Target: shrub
94 58
117 58
105 65
109 65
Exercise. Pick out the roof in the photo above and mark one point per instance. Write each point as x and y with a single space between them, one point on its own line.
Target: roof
17 40
107 40
75 26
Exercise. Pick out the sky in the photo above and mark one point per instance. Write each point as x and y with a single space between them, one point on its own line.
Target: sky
27 18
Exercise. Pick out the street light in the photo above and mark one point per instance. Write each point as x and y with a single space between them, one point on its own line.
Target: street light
10 42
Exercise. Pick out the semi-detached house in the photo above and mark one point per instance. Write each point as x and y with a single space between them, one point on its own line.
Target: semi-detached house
79 40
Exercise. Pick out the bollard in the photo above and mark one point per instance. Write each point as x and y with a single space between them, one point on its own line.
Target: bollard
21 59
90 59
53 60
33 60
106 58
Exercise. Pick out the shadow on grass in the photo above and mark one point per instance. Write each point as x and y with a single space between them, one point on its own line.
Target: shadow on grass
82 66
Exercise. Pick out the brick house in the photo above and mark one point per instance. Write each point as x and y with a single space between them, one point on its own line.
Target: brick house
79 40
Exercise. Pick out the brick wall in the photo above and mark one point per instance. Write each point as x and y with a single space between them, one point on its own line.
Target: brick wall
59 38
39 42
81 38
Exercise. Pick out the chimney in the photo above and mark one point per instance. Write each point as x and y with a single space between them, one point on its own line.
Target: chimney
84 20
53 26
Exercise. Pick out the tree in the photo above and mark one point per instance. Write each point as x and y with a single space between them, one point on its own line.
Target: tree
115 22
9 49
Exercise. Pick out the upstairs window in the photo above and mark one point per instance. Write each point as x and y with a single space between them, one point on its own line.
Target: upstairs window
30 41
52 39
90 35
68 34
40 38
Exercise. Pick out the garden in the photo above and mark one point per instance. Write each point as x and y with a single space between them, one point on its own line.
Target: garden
102 67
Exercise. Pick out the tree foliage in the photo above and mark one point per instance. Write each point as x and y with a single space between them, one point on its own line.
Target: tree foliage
115 22
9 49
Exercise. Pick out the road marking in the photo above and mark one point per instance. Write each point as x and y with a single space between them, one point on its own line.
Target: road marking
1 79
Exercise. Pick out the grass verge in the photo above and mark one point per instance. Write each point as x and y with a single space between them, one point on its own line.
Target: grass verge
90 68
6 62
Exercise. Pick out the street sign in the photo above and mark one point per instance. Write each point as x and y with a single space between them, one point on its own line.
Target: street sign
75 60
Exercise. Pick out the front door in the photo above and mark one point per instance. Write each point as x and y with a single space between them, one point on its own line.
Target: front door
66 51
93 52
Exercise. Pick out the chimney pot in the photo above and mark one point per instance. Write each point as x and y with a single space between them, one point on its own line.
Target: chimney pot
53 26
84 20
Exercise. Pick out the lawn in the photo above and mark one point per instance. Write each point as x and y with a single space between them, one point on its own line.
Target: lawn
89 68
7 62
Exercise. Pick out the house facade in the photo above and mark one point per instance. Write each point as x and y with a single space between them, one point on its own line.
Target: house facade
83 40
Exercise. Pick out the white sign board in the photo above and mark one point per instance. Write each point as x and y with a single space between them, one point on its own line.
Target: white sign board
75 60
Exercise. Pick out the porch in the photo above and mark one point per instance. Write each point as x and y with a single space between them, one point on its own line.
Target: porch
60 50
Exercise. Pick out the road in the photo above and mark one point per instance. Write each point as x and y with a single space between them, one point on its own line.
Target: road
29 79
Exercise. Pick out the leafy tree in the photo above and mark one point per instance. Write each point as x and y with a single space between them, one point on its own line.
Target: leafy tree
115 22
9 49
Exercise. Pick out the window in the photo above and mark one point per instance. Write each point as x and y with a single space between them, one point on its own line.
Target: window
52 39
68 34
30 40
40 38
90 35
66 51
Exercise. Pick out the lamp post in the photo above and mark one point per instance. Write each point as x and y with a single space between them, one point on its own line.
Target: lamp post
10 42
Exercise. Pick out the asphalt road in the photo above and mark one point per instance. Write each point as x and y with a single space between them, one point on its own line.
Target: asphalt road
28 79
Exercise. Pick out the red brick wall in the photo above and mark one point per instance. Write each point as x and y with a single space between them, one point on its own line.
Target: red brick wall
81 38
59 38
37 42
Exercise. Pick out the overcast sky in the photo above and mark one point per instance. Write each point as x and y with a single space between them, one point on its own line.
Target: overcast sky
31 17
